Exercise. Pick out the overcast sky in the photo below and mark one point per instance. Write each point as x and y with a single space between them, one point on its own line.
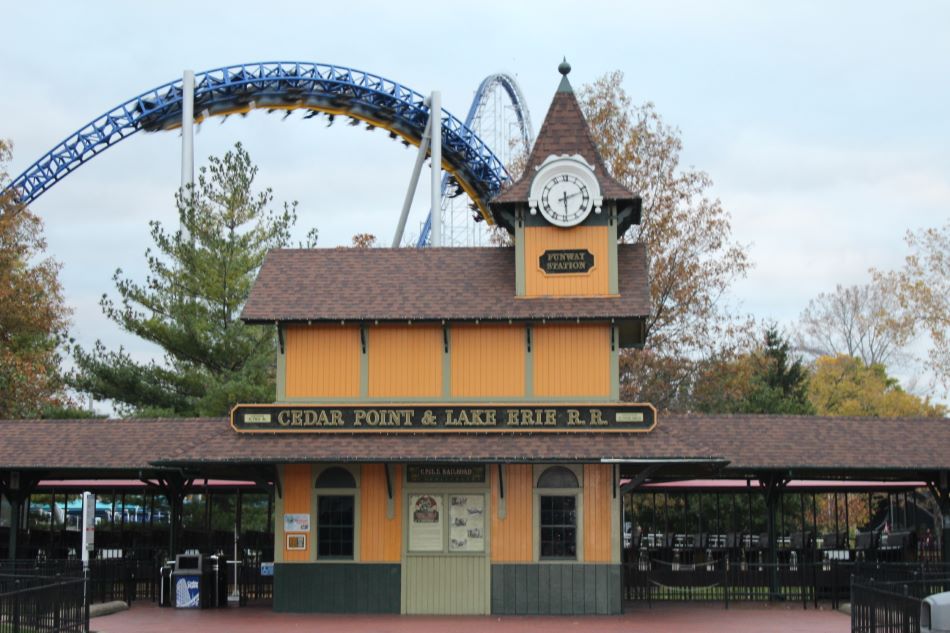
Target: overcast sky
824 125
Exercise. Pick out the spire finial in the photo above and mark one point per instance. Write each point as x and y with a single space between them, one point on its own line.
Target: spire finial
564 68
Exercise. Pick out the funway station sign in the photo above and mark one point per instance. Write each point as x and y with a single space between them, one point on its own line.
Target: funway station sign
389 418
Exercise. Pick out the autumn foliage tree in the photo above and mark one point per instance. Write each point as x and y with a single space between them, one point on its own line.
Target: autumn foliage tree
923 288
33 314
846 386
693 259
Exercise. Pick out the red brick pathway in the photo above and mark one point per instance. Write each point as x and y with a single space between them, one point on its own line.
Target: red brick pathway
145 618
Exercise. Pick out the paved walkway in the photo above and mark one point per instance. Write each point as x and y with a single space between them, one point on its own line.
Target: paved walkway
687 618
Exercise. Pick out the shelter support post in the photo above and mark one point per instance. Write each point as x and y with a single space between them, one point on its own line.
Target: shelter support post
17 488
773 494
940 488
175 487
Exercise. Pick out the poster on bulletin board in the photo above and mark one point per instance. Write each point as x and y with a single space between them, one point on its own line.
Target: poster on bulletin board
467 523
425 523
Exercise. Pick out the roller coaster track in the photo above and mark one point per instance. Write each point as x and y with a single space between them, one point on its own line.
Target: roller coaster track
334 90
526 132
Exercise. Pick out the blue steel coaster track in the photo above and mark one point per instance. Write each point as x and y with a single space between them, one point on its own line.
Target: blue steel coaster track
288 86
510 86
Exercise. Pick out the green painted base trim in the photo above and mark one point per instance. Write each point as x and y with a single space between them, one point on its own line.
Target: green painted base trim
336 588
562 589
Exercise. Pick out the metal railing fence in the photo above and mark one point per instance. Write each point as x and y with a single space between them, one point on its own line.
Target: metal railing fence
52 604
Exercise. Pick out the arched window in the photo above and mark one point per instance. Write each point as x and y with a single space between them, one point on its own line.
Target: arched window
336 513
557 520
336 477
557 477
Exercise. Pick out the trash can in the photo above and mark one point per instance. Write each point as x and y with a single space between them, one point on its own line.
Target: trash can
187 582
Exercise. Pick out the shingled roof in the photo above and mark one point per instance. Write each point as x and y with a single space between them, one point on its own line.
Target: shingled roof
749 443
425 284
564 132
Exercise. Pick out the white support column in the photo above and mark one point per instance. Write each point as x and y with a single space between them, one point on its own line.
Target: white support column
413 181
188 128
435 117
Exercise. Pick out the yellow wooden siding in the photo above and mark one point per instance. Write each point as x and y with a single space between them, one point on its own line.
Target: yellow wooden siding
446 585
512 538
405 361
595 282
322 361
572 360
297 488
380 538
488 361
598 522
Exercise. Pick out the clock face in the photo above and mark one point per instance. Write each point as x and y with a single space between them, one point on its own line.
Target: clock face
565 200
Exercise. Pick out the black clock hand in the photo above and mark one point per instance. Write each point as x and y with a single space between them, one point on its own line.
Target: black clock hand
564 200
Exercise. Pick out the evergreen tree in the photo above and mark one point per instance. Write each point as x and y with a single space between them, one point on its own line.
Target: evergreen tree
780 382
190 303
766 380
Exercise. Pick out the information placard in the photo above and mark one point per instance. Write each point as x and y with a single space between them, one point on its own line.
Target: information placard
425 523
467 523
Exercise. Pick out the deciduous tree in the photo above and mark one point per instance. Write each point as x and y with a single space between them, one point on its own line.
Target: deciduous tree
867 322
846 386
33 314
693 259
190 303
923 288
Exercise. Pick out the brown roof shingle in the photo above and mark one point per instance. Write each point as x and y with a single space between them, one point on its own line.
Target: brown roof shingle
749 443
424 284
99 444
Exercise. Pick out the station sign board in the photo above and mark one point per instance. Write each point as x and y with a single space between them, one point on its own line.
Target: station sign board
415 418
559 262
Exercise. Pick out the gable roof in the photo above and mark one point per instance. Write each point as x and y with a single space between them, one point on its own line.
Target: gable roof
425 284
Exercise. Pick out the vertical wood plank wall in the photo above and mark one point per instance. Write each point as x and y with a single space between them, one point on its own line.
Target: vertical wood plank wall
322 361
442 585
572 360
512 538
380 538
488 361
598 518
538 239
405 361
297 488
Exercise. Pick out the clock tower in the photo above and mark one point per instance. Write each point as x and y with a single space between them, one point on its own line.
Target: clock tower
566 213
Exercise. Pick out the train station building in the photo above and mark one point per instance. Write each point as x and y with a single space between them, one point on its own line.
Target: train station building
447 434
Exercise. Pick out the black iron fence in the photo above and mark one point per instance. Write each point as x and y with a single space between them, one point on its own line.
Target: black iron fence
52 604
131 579
722 579
887 598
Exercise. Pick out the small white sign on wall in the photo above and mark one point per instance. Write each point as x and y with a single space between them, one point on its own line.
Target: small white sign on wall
296 523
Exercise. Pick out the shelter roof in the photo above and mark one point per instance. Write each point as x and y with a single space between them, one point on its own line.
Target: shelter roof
425 284
750 444
96 444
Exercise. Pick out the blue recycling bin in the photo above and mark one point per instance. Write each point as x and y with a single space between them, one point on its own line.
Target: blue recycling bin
187 582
